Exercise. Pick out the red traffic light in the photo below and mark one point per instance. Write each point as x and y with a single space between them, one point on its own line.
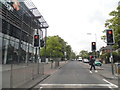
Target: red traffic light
36 40
93 43
36 36
110 32
110 37
93 46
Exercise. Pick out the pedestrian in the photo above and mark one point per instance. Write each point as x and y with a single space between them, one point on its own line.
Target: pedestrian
92 64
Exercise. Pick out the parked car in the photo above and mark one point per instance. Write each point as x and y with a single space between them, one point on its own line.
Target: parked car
32 59
72 59
85 60
98 63
79 59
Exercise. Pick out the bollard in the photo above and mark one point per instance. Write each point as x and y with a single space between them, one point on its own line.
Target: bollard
117 68
119 81
118 76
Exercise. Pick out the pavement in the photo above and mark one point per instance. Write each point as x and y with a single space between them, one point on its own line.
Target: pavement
47 72
105 71
107 74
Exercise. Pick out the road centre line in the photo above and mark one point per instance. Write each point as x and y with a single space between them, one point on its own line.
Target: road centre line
111 84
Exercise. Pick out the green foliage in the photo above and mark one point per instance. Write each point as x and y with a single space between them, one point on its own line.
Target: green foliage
84 54
68 51
105 56
116 57
77 56
114 23
73 55
56 48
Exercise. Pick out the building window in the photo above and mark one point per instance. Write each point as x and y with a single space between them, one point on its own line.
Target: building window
4 26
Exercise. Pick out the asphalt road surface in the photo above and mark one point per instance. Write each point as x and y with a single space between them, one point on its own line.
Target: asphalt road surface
75 75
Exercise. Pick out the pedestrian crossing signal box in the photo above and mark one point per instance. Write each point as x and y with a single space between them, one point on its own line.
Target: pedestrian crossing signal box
42 43
36 41
93 46
110 37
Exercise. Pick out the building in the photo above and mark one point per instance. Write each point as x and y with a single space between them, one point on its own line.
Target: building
105 50
19 24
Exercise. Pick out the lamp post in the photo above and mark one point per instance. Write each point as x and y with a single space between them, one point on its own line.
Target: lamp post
95 36
95 41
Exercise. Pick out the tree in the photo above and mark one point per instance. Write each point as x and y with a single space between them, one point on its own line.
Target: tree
68 51
56 48
84 54
114 23
53 48
73 55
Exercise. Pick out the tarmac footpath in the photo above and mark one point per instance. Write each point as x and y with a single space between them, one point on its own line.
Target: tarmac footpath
48 71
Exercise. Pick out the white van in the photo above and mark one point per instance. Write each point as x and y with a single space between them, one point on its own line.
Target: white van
79 59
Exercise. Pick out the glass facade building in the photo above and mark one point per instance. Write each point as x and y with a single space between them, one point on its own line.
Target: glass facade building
16 33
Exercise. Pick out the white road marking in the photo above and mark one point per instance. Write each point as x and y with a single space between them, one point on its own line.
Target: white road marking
95 66
90 71
76 85
41 88
111 84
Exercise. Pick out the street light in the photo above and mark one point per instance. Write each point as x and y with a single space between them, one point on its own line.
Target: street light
94 42
95 36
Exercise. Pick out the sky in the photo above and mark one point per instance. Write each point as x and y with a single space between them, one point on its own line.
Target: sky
78 22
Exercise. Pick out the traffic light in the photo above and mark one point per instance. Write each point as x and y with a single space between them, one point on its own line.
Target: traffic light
110 38
36 40
42 43
93 46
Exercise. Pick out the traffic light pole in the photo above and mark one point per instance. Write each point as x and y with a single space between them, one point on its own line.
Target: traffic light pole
95 54
111 58
110 42
38 52
45 42
119 45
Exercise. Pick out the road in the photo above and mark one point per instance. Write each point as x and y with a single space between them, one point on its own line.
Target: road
75 75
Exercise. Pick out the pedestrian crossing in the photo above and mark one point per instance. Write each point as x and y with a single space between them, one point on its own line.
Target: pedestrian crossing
77 86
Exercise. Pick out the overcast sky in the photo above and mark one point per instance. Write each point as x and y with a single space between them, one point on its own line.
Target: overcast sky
73 19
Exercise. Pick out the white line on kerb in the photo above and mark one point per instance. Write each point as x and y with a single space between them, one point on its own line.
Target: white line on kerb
111 84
